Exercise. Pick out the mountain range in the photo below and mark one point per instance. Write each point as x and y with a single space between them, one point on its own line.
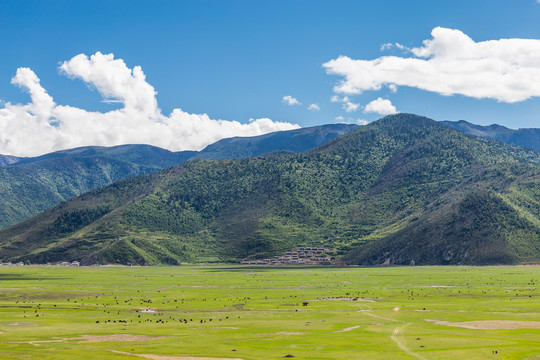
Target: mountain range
529 138
31 185
402 190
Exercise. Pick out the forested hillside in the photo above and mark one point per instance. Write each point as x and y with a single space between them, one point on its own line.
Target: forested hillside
402 190
31 185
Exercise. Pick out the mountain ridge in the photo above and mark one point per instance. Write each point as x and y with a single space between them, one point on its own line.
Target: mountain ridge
31 185
358 195
525 137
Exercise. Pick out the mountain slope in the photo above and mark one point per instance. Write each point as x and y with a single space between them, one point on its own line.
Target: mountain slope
400 190
529 138
32 185
28 189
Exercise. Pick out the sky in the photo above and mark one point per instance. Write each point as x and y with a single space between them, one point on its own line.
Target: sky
184 74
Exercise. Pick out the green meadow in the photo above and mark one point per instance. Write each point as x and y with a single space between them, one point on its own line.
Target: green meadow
239 312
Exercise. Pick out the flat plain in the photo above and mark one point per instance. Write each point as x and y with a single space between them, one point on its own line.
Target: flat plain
251 312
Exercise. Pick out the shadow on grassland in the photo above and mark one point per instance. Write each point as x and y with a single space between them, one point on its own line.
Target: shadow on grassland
19 277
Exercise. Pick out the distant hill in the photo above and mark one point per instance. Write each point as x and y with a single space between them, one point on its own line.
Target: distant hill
299 141
402 190
31 185
8 160
145 155
529 138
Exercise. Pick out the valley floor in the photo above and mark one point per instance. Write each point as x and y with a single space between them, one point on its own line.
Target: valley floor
260 312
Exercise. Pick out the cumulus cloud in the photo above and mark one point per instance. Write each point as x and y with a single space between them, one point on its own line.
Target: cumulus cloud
380 106
507 70
362 122
289 100
351 120
348 105
43 126
314 107
388 46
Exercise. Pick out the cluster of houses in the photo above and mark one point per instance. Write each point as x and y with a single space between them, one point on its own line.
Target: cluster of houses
62 263
297 256
12 264
67 263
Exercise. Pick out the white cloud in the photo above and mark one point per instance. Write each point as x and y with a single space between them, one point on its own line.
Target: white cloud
289 100
507 70
388 46
348 105
43 126
335 99
351 120
314 107
380 106
362 122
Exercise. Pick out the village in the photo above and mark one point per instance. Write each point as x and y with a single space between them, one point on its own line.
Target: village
60 263
297 256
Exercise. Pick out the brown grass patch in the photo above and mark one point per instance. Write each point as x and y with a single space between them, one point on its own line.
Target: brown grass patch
218 327
19 323
167 357
225 327
490 324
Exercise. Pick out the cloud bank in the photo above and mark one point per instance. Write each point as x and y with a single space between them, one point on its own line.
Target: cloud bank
451 63
42 126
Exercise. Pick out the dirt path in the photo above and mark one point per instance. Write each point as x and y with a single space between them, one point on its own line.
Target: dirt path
349 329
400 341
367 312
396 336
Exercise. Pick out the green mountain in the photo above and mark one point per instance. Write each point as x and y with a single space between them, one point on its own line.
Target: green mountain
29 186
28 189
529 138
402 190
33 185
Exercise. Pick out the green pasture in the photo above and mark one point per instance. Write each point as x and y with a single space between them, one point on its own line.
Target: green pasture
240 312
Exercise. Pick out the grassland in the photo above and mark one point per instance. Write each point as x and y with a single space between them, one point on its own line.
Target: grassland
239 312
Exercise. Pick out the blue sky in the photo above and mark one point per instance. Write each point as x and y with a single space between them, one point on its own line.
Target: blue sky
237 60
